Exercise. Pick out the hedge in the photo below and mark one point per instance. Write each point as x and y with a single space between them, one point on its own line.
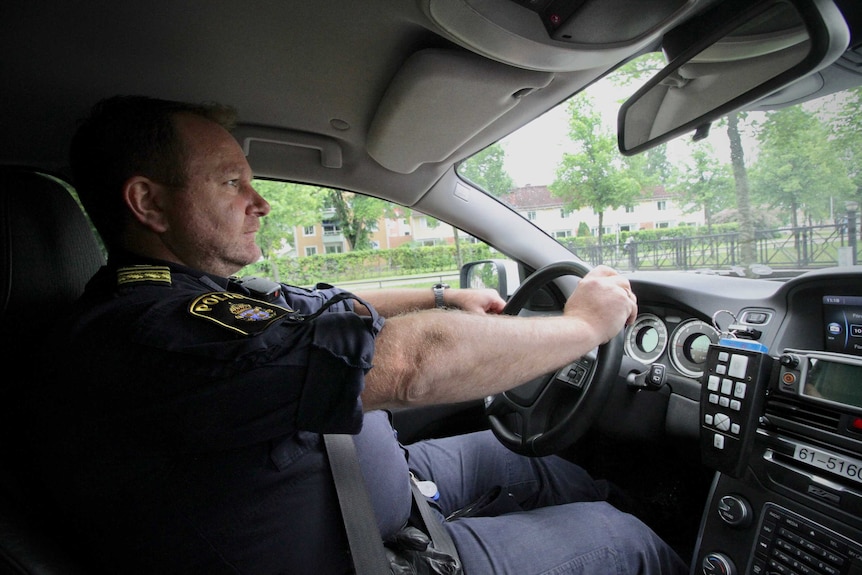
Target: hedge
368 264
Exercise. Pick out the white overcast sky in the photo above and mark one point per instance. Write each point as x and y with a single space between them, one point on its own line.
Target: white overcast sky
533 153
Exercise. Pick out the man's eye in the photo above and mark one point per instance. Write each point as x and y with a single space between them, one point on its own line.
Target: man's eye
234 183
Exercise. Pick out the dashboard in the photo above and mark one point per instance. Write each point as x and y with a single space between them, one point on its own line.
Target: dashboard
777 412
681 314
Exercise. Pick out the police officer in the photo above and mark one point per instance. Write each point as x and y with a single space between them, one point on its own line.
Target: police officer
181 414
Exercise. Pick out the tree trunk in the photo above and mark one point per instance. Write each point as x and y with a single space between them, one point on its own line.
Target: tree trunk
747 247
599 258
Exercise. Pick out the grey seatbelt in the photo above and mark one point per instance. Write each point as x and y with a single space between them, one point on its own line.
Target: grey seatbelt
440 538
366 544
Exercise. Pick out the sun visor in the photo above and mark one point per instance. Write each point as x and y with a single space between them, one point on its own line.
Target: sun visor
469 91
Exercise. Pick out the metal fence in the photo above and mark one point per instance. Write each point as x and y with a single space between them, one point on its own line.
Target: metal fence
784 248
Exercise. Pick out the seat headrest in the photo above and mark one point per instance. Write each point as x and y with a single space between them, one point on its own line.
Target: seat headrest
48 253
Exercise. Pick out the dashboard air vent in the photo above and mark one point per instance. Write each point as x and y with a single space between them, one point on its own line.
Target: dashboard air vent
803 413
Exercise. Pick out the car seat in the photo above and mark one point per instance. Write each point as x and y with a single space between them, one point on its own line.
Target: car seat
48 253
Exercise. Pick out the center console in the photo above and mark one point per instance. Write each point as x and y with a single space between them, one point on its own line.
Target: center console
784 433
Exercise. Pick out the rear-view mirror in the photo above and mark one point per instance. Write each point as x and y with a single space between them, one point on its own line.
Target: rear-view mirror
734 54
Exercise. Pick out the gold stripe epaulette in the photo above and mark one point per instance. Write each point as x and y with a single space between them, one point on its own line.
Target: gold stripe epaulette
136 274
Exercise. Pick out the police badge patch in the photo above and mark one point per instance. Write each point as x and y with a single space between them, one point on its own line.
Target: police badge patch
237 312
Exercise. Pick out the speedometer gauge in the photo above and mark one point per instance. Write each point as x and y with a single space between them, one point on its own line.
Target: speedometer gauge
689 344
646 338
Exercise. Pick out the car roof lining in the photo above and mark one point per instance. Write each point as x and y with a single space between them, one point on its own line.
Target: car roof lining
264 57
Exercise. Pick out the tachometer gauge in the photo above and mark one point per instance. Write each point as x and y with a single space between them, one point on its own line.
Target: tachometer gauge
646 338
689 344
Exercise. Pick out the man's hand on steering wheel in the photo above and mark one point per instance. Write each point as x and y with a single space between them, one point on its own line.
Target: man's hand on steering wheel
598 304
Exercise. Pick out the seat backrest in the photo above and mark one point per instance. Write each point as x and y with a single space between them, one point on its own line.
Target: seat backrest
48 251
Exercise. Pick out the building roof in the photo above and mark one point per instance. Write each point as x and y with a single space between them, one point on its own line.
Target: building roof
540 197
530 197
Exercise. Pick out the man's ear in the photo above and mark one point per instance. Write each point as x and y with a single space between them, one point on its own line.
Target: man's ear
145 199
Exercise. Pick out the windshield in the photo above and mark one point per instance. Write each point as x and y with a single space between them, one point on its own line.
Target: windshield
762 194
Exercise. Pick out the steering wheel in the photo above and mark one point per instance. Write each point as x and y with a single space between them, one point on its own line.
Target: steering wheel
553 411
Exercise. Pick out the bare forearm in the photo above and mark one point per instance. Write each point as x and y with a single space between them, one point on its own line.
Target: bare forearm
435 357
392 302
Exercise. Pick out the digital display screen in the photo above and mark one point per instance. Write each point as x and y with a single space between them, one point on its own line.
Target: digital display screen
842 318
834 381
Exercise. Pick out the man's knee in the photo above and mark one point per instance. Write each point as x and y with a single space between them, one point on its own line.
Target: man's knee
639 547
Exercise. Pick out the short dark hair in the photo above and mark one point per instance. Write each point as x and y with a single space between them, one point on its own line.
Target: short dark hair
126 136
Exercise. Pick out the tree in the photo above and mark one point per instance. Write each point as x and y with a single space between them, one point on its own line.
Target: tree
657 169
357 215
747 247
704 183
486 170
848 137
291 205
798 169
596 176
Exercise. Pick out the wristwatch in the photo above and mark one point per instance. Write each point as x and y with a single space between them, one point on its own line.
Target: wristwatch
438 294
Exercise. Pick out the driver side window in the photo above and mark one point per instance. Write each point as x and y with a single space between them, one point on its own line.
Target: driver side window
357 242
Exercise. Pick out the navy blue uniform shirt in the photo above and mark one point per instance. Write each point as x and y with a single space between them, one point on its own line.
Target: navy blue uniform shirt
180 422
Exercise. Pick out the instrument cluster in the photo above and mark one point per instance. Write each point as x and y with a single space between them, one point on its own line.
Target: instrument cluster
684 341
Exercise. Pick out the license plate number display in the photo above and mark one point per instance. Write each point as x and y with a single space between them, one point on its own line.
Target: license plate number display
846 467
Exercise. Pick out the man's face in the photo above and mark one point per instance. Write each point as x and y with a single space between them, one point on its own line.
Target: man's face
214 219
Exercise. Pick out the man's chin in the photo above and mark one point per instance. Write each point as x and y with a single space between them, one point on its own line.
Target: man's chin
253 257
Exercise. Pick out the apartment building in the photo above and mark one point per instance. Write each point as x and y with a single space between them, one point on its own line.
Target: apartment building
536 203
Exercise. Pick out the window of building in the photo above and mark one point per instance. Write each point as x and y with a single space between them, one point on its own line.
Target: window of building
662 225
308 231
661 205
331 228
335 249
563 234
310 250
531 215
630 209
564 213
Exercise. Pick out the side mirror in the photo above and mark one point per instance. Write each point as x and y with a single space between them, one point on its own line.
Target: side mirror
730 56
500 275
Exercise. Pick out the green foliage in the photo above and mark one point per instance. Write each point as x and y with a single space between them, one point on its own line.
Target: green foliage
704 183
677 232
367 264
357 215
799 167
290 205
486 170
597 176
848 135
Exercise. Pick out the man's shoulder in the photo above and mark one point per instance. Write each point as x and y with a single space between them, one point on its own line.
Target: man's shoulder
129 296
